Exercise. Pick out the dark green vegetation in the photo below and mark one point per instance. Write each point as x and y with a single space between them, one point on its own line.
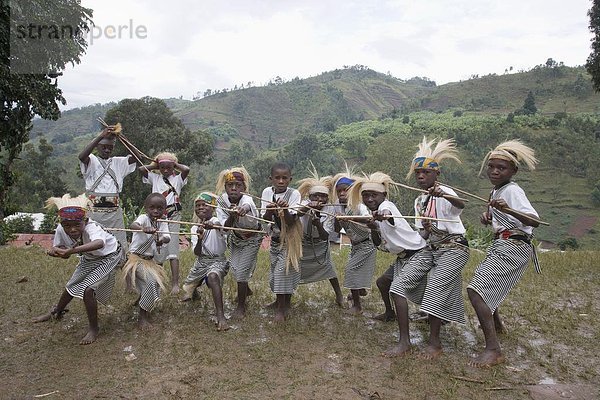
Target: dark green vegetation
374 121
29 65
320 352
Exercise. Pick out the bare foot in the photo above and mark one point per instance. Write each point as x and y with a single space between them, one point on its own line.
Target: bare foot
186 297
42 318
431 352
339 299
249 292
354 310
488 358
175 290
239 313
222 325
385 317
137 301
279 316
399 350
90 337
271 306
144 324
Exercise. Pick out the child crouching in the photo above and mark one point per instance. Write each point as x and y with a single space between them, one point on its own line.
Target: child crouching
210 265
100 253
142 267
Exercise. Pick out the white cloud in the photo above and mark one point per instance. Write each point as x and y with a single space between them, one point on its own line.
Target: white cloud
191 46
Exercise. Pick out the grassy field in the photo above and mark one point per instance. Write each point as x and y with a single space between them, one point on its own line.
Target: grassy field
320 352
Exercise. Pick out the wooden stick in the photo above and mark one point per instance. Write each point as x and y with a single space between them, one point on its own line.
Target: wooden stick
247 215
488 202
139 230
258 198
397 216
446 196
227 228
314 209
37 396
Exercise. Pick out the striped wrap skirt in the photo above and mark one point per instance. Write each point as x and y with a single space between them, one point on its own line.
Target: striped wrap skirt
172 248
315 264
441 269
97 273
111 217
282 279
361 265
148 279
202 267
504 265
243 256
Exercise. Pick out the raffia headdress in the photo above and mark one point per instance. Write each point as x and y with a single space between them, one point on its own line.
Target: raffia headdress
514 151
239 174
70 208
428 157
376 182
343 178
314 184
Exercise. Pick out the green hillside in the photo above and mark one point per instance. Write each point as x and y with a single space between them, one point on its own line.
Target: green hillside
375 121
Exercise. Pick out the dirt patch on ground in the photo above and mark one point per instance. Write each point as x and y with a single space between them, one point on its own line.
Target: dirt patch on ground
582 226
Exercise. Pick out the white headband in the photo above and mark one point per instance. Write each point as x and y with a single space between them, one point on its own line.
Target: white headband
318 189
373 186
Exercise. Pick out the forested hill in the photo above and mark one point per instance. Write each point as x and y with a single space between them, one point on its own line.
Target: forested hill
270 115
374 121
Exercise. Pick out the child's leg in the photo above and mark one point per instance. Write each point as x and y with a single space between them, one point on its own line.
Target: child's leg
402 316
214 283
500 329
91 307
492 354
339 297
281 307
355 296
57 310
383 284
434 348
174 275
144 320
243 292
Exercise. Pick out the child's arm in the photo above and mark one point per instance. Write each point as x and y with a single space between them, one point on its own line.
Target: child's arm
375 234
436 191
136 226
84 248
525 219
323 234
183 169
84 156
145 168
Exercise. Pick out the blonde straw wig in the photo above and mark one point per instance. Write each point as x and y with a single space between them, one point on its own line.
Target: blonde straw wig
514 151
428 157
232 174
377 181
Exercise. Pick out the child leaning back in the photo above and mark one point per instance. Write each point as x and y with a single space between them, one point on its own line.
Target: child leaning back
100 253
512 218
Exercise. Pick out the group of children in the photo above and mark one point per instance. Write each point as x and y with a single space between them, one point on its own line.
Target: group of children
429 260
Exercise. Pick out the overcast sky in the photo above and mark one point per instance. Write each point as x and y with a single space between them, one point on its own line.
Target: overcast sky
181 47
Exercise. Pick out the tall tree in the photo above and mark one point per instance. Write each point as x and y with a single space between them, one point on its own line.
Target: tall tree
529 107
38 38
151 126
593 61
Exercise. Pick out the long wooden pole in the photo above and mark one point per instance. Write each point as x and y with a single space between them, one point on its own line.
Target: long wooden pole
446 196
487 202
227 228
247 215
397 216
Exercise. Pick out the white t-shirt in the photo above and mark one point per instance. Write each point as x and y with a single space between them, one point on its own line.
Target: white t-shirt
293 199
400 236
438 207
213 241
91 232
242 222
119 165
517 200
159 186
140 239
